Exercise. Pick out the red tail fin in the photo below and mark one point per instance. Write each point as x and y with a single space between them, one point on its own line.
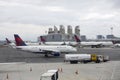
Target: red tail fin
77 39
115 42
42 39
19 41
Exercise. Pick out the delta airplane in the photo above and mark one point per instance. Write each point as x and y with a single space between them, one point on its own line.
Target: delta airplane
43 49
10 44
70 43
78 42
116 46
93 44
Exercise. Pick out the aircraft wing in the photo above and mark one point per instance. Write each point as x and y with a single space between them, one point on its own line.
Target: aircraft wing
50 50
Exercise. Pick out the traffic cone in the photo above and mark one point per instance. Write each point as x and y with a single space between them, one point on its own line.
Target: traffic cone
61 70
76 72
7 77
30 69
58 69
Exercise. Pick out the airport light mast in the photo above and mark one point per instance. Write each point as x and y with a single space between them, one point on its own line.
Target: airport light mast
111 30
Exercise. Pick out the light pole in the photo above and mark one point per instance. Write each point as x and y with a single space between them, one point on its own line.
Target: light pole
111 30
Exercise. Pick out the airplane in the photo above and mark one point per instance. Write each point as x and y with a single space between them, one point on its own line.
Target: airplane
79 43
44 42
116 45
10 44
55 50
93 44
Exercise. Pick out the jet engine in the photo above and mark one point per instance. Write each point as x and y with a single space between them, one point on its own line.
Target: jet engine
56 53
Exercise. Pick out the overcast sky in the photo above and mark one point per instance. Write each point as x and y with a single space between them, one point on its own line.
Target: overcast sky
31 18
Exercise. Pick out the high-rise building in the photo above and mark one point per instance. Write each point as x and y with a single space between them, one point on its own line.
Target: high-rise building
50 31
77 30
59 35
62 29
69 30
55 29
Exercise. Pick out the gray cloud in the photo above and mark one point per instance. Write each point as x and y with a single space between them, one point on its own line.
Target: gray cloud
87 13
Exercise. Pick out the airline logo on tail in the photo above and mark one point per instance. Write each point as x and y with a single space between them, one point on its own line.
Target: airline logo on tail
19 41
42 39
8 41
77 39
115 42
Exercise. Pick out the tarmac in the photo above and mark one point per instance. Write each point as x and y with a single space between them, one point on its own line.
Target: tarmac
19 65
33 71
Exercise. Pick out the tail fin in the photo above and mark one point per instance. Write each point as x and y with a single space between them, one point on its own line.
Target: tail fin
115 42
19 41
77 39
42 39
8 41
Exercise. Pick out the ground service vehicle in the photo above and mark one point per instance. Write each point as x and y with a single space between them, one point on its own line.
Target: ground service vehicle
50 75
84 58
55 72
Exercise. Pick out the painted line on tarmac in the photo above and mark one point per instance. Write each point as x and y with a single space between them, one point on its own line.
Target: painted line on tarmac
13 63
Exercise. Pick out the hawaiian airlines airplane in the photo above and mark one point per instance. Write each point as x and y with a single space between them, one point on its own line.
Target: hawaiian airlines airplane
43 49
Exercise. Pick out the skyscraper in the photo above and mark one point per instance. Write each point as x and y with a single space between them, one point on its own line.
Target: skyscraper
77 30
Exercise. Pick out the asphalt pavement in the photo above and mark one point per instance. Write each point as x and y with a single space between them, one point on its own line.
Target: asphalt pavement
12 55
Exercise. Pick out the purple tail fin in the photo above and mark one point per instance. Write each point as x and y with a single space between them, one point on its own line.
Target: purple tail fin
8 41
77 39
42 39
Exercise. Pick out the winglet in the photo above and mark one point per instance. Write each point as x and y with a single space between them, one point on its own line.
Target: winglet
19 41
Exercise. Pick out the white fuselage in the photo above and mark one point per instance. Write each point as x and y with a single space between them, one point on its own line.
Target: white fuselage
13 45
81 43
96 43
60 43
49 48
116 45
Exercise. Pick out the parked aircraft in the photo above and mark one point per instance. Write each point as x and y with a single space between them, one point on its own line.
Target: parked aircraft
43 49
10 44
117 45
93 44
70 43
